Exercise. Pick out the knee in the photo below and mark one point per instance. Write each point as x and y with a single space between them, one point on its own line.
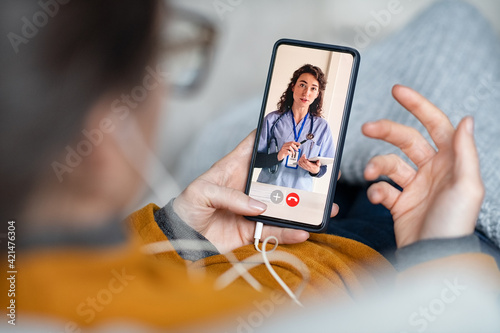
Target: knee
456 14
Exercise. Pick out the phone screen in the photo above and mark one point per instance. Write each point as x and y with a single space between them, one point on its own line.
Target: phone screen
301 132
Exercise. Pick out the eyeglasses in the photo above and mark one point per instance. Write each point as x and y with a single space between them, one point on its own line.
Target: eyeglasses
188 45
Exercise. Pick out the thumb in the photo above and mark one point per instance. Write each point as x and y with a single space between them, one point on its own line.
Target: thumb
226 198
467 159
467 172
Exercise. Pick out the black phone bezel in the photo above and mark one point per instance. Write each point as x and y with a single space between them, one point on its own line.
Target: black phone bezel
340 143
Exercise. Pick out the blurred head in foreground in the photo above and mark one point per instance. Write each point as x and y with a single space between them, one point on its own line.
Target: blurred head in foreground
79 90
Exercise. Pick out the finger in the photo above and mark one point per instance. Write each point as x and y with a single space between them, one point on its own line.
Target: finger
224 198
308 166
406 138
285 235
391 166
340 173
335 210
383 193
466 166
434 120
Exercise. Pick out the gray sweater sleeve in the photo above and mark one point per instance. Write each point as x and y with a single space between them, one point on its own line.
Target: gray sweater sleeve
177 231
182 236
431 249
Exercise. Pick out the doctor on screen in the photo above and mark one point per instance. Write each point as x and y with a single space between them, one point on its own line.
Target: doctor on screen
295 133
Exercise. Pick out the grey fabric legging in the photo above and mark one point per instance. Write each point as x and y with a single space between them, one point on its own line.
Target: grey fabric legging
451 55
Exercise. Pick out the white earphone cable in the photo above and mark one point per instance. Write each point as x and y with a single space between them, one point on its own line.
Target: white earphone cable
257 236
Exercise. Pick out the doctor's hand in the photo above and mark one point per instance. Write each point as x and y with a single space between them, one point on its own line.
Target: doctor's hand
288 149
214 204
442 198
312 167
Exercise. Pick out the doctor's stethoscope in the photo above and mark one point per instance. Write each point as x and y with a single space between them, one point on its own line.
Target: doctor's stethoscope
272 138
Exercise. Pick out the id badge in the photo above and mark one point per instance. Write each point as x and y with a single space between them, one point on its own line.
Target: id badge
292 161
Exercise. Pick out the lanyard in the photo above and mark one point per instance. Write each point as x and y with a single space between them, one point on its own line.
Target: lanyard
301 128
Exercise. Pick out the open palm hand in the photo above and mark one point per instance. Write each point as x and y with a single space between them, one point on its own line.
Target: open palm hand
440 199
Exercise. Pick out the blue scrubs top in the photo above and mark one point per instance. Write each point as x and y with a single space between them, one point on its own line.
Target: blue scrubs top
321 145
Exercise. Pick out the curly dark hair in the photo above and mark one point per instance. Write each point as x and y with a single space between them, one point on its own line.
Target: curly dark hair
286 100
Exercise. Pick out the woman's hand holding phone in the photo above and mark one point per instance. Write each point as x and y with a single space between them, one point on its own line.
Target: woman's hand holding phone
442 198
214 204
289 148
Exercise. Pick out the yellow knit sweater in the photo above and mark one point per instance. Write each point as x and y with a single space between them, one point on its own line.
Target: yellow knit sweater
85 287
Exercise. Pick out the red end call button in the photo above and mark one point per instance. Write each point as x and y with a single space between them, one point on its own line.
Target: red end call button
292 199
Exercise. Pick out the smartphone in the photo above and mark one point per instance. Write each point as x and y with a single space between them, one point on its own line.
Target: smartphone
301 132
